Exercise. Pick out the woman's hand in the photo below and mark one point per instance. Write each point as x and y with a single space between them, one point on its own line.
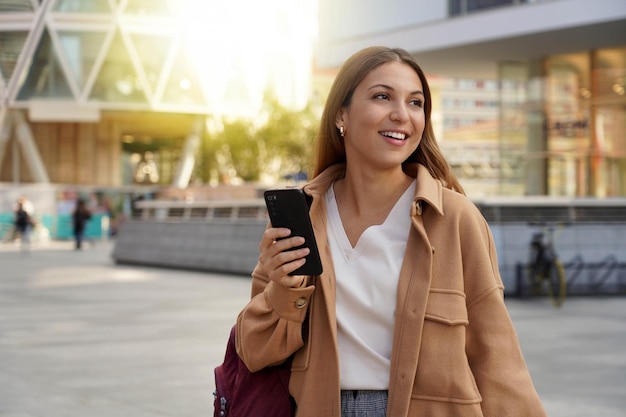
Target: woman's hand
279 258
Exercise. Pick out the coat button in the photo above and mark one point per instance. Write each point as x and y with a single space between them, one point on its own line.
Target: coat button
301 302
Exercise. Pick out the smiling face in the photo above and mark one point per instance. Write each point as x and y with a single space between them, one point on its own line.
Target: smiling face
385 119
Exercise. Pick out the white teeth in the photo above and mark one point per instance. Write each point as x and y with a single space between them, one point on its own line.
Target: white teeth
395 135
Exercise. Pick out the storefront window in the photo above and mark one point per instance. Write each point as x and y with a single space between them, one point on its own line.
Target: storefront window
565 127
608 159
513 128
568 93
585 124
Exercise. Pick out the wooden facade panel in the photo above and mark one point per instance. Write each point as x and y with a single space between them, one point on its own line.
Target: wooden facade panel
108 152
105 141
6 166
45 137
67 153
115 152
90 154
86 153
102 159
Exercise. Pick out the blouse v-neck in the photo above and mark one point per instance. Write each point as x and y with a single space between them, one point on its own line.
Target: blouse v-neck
395 222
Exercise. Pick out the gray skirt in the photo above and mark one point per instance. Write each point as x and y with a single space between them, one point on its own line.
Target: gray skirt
356 403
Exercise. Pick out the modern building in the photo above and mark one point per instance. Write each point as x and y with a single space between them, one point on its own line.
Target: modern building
530 94
103 92
109 99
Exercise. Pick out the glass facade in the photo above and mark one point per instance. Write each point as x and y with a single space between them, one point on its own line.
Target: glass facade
82 6
11 45
586 123
156 55
459 7
45 77
554 126
81 49
568 120
550 126
564 119
13 6
608 130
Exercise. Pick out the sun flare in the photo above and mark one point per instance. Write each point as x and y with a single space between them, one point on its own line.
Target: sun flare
242 48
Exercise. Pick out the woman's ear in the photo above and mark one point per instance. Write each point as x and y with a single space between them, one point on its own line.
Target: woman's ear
339 119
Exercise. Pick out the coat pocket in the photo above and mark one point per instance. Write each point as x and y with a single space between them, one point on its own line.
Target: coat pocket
443 371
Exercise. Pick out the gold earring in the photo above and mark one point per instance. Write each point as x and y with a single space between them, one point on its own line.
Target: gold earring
342 131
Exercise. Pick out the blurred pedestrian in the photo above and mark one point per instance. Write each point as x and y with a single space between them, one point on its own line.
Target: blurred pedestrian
80 218
27 205
23 223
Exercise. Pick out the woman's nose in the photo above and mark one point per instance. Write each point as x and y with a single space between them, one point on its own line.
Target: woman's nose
399 113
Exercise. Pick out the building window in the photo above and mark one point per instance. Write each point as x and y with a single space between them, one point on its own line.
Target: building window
460 7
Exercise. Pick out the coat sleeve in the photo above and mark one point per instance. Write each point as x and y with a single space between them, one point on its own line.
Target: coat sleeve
269 328
492 345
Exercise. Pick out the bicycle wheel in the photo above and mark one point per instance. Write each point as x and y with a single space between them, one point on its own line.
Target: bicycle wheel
556 282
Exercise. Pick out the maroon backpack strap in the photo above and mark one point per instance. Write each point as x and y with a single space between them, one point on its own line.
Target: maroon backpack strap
241 393
225 377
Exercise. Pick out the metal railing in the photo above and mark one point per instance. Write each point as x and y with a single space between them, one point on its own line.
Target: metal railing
553 209
206 211
606 276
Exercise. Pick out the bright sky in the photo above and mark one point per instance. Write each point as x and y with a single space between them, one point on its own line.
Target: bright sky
259 44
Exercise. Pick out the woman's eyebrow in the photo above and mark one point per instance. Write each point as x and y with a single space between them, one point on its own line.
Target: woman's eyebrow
388 87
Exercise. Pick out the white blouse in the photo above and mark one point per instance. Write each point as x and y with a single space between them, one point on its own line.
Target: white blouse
367 281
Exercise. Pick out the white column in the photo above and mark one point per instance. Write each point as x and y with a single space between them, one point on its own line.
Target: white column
5 131
29 148
188 156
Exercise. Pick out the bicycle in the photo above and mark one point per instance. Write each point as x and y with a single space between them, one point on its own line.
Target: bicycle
544 266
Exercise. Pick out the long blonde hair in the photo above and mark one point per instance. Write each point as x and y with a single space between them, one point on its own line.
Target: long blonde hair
330 146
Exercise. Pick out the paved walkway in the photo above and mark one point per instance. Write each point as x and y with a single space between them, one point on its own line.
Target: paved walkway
81 336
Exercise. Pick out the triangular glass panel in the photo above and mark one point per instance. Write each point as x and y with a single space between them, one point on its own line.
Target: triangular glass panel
81 50
152 51
11 45
45 78
16 6
183 85
149 7
237 93
91 6
117 79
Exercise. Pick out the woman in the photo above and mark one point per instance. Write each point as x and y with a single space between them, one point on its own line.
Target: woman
408 317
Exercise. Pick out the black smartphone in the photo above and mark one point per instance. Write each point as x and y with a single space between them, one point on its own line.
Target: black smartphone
289 207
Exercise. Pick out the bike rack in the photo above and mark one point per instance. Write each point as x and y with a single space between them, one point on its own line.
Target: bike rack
598 276
607 276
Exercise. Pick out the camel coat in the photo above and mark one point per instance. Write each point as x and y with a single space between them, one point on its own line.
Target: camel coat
455 351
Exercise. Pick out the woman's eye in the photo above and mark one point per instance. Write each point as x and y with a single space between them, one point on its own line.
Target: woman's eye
416 102
382 96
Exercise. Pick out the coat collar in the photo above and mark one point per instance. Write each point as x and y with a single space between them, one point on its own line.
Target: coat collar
428 189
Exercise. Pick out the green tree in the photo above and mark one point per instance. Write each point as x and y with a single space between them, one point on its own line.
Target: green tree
280 146
231 152
288 138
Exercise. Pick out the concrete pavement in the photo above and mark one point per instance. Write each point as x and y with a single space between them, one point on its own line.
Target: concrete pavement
81 336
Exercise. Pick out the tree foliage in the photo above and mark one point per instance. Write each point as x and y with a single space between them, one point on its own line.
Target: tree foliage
282 145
